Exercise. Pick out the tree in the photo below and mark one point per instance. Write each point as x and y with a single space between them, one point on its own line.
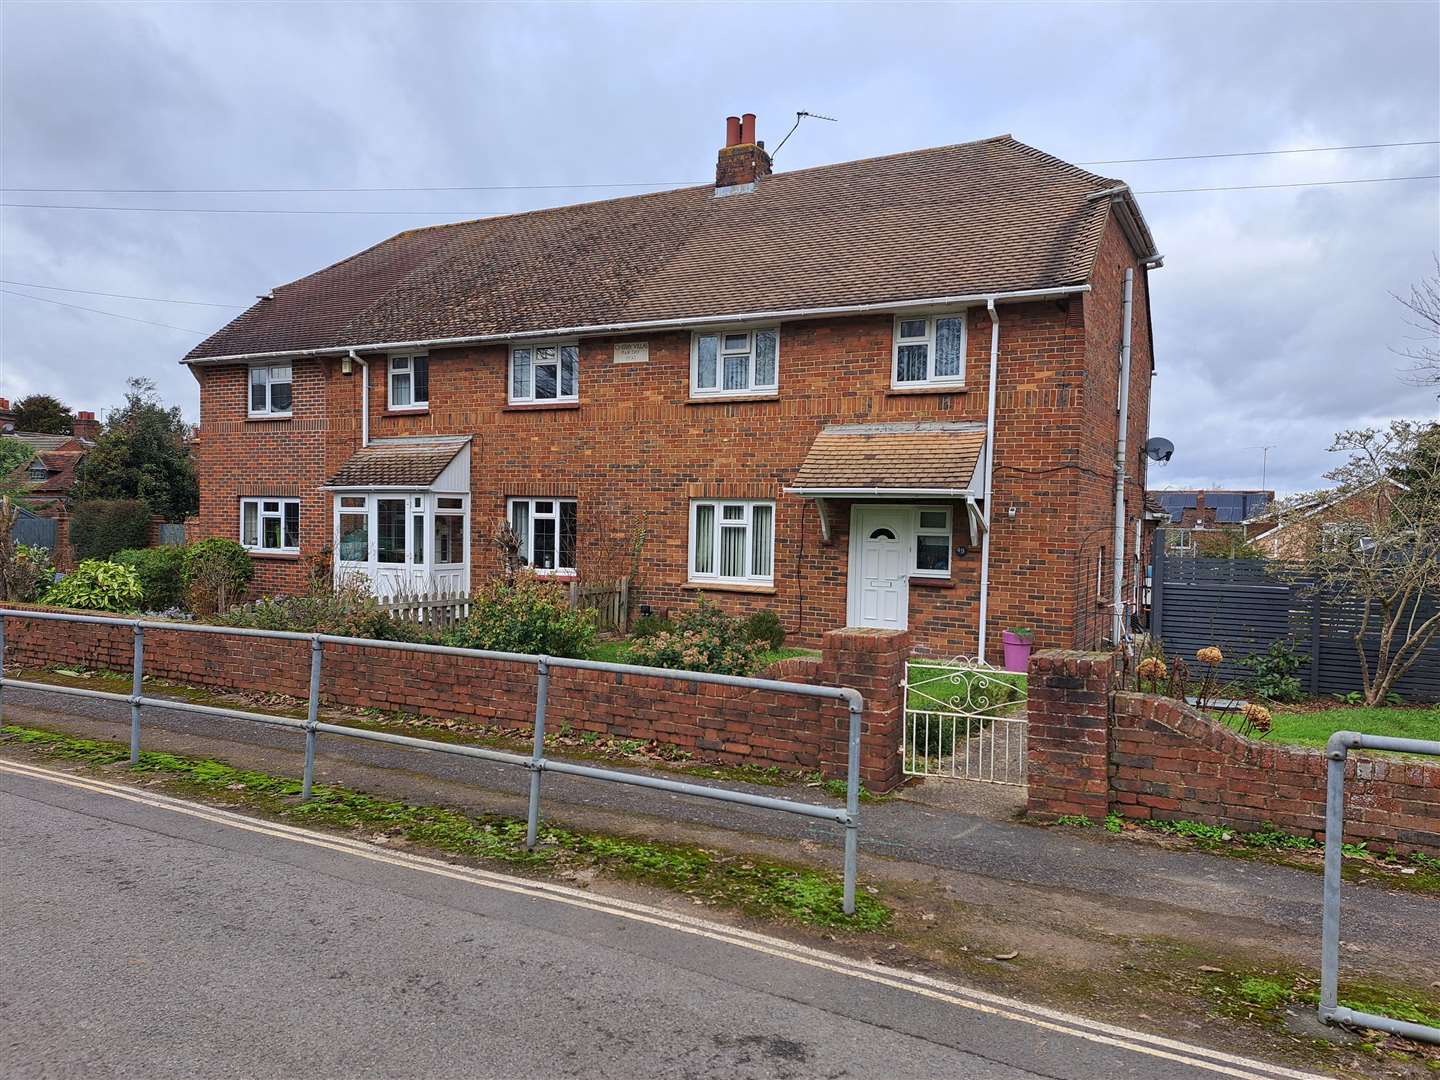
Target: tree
143 453
1385 549
44 415
1423 303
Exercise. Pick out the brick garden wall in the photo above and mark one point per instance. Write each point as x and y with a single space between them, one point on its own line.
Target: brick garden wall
1093 751
715 723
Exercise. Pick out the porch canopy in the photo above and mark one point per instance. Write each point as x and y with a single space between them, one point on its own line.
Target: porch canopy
895 461
400 463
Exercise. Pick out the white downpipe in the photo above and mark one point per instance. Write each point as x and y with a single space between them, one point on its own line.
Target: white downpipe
364 398
1117 629
989 472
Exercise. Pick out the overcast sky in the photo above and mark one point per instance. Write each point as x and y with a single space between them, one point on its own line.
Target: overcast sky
1273 316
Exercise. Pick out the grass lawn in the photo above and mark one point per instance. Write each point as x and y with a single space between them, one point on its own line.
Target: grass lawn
1313 728
618 652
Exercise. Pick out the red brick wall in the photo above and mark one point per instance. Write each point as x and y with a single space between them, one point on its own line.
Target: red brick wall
1092 752
635 447
1168 761
716 723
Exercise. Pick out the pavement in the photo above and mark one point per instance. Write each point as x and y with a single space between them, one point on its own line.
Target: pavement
1257 900
149 937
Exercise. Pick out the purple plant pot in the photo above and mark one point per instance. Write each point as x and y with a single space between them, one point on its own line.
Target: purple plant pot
1017 652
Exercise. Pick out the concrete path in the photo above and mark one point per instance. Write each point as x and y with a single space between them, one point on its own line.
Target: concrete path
149 937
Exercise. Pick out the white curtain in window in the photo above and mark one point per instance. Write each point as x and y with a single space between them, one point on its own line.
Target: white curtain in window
732 551
762 540
520 522
766 342
949 348
705 539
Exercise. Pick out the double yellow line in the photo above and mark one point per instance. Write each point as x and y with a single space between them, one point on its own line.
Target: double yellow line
1049 1020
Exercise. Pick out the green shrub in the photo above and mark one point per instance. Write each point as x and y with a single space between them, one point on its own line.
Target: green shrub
29 574
525 614
101 527
764 627
98 586
650 625
345 610
1275 673
161 574
216 572
704 639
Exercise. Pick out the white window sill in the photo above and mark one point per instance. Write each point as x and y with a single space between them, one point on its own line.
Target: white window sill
704 397
423 406
268 416
927 388
273 553
760 587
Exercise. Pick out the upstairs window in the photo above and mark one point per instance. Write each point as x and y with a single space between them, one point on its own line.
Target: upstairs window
732 542
544 373
546 531
270 390
929 350
735 362
409 386
38 472
270 524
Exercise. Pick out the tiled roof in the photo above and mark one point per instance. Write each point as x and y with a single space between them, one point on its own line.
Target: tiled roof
893 457
39 441
994 215
409 464
60 466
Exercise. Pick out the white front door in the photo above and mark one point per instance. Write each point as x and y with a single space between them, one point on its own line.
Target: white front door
879 567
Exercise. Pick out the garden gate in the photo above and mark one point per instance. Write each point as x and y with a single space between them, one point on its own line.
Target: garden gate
964 720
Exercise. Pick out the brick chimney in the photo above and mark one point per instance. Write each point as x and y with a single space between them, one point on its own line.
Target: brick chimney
86 426
743 160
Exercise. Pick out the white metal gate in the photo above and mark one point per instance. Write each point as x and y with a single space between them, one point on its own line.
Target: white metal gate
964 720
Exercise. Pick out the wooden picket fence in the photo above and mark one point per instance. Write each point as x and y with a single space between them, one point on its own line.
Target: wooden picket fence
610 599
441 611
436 611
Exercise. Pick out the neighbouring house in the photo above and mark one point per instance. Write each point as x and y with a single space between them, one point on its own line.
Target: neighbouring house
49 476
780 385
7 417
1295 528
1209 508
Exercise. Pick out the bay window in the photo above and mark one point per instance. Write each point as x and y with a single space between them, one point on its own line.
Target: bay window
734 362
544 373
732 541
546 531
929 350
270 524
409 382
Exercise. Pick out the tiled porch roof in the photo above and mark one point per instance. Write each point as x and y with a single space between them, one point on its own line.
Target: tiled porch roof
397 464
908 457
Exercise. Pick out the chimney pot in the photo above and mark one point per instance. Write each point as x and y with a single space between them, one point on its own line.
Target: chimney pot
4 404
747 128
732 131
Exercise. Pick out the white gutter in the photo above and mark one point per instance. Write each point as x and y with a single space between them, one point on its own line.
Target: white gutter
989 473
364 399
1122 461
652 324
879 493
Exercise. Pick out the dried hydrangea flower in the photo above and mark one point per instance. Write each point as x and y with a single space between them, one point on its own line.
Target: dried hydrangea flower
1210 655
1152 667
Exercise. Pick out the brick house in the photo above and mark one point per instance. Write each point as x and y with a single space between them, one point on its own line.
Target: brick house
1297 529
780 384
48 477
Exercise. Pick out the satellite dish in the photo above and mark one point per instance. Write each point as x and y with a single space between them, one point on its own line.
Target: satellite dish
1158 449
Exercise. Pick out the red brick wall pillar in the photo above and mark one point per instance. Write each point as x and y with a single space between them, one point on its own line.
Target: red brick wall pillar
1069 727
873 662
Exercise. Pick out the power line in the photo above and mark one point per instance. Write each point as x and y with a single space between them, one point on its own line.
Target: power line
1302 184
501 213
656 183
116 295
97 311
1235 154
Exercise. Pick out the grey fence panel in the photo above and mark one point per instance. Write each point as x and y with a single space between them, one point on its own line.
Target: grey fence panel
172 533
35 531
1242 605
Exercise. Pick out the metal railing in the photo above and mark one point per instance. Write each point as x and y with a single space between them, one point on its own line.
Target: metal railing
537 763
964 720
1337 749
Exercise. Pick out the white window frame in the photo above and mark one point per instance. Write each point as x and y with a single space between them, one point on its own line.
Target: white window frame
262 514
928 340
751 387
948 532
717 520
270 380
530 398
395 373
528 551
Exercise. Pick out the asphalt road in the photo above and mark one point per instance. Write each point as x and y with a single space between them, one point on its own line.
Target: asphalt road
144 936
1185 881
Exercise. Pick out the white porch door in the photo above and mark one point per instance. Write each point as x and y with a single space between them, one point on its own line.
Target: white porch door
405 544
879 579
